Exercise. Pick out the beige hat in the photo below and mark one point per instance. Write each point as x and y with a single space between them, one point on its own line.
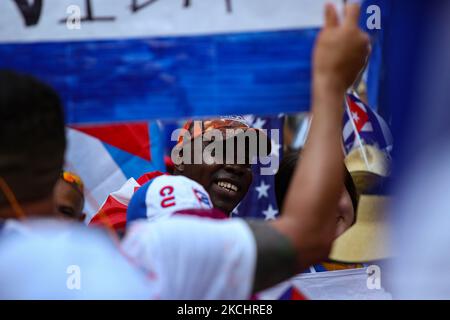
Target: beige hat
367 239
368 166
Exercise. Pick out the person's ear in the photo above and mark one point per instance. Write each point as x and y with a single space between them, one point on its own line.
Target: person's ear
179 167
178 163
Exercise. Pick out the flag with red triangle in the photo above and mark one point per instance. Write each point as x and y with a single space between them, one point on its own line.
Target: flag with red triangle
119 151
292 293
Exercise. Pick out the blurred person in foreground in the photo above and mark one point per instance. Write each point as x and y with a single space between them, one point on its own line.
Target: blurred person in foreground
69 196
193 258
420 220
43 253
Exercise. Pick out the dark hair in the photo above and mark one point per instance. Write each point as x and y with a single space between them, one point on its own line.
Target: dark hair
286 171
32 136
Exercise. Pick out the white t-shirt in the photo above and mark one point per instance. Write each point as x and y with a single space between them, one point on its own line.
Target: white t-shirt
180 258
188 257
49 259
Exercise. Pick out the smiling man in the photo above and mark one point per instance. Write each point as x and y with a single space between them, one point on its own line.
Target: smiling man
225 149
218 154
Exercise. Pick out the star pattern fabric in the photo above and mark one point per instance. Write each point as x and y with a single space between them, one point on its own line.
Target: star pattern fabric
260 201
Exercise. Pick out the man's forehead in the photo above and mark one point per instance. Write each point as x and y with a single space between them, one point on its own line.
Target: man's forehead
234 129
220 123
235 118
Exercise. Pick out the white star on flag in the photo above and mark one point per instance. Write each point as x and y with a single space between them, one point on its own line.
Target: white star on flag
262 190
235 211
275 149
249 118
259 123
355 116
270 213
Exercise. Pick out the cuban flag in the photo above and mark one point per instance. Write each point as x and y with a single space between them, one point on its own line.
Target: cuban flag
362 125
202 197
107 156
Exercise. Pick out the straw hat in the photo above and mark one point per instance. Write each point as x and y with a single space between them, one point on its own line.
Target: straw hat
366 240
369 168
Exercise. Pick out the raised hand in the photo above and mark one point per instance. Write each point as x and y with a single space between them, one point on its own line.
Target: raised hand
341 48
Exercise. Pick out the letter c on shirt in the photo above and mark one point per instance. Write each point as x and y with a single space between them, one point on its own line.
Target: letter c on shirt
168 200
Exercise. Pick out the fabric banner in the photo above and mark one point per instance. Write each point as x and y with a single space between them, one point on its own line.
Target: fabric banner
106 156
350 284
141 60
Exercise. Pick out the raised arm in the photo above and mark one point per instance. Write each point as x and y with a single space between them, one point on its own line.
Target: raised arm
304 234
200 258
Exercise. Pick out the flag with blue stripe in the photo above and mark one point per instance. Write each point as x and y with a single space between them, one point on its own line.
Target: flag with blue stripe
362 125
107 155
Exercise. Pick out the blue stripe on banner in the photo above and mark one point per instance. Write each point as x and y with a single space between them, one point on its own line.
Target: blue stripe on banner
133 166
141 79
157 147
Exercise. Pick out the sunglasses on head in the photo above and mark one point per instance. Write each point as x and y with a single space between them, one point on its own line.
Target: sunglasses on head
73 179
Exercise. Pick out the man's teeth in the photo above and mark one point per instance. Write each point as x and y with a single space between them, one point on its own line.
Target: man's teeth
228 186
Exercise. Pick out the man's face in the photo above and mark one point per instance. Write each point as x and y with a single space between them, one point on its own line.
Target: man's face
227 184
68 201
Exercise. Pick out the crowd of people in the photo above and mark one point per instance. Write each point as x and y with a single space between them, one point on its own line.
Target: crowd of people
175 238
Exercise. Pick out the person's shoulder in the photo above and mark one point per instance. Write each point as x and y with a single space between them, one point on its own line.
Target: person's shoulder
185 222
11 226
211 213
147 177
165 195
113 212
51 251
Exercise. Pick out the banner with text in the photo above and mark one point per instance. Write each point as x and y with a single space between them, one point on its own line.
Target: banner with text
130 60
